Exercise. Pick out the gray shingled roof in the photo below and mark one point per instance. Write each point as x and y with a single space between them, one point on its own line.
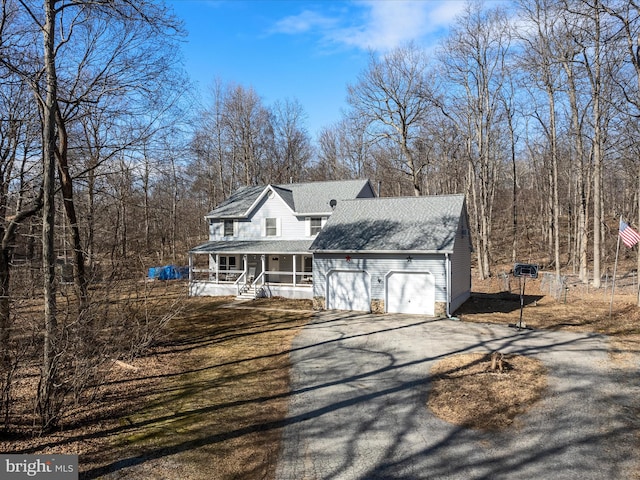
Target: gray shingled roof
314 197
286 195
416 224
254 246
238 203
302 198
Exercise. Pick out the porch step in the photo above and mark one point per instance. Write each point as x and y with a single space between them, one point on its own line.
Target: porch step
246 296
249 294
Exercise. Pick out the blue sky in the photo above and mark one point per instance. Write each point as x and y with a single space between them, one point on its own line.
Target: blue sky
304 50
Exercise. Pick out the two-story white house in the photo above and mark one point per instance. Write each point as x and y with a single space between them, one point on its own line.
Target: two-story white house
259 239
340 245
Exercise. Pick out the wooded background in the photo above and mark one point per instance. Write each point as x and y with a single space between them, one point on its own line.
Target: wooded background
108 163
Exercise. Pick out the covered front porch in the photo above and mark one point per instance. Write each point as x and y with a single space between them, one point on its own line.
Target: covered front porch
251 269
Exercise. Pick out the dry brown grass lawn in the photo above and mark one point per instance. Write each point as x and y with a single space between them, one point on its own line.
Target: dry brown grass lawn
220 415
207 402
580 310
281 303
210 399
466 391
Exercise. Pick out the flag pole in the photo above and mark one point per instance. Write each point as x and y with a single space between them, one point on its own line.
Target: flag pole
615 268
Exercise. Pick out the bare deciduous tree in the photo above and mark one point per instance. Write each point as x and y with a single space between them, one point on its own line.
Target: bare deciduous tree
392 95
474 59
240 141
539 58
90 49
291 141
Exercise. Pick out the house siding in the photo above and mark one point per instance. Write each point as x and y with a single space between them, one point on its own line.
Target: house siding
378 266
461 266
291 226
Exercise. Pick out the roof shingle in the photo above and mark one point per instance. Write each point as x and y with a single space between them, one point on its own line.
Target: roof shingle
302 198
253 246
421 224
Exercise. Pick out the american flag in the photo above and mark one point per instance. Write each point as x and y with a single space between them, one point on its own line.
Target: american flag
628 235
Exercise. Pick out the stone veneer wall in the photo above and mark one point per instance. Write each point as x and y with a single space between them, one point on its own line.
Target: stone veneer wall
377 305
319 303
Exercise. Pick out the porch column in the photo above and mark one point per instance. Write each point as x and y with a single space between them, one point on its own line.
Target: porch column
245 268
294 270
190 267
263 259
217 268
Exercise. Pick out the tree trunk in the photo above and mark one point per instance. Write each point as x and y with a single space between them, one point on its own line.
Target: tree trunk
554 178
514 195
411 164
91 213
124 191
5 337
638 262
48 374
582 204
597 153
66 185
476 221
147 209
174 209
485 216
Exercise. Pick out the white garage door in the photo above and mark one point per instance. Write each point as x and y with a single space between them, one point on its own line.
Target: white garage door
348 291
411 292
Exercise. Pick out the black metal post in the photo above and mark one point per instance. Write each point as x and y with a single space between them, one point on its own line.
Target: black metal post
523 284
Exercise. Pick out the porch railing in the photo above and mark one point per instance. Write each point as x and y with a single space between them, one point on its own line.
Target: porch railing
240 282
211 275
239 278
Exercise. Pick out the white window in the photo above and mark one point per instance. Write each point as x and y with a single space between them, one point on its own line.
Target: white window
315 225
308 264
229 228
271 227
227 262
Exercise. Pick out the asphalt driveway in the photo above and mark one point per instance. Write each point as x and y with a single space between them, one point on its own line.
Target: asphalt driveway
358 405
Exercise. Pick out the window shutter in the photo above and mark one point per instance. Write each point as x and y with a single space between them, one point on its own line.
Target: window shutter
263 225
235 227
278 227
307 225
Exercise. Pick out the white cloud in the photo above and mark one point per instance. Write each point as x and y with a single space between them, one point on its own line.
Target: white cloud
380 25
446 12
303 22
387 24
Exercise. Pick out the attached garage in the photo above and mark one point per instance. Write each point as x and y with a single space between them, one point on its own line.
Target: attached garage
408 255
410 292
348 290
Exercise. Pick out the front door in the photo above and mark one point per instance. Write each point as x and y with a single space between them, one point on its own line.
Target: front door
274 266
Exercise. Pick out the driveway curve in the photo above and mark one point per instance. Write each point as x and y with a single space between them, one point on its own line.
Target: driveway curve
358 405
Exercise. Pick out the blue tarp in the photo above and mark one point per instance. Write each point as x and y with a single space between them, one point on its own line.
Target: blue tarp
168 272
